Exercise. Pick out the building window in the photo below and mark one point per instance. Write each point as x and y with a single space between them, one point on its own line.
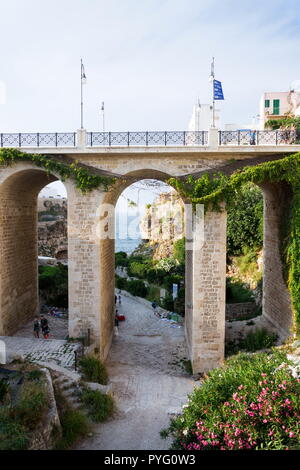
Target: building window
267 103
276 106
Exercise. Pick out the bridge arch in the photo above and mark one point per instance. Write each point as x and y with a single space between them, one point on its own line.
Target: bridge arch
20 185
205 280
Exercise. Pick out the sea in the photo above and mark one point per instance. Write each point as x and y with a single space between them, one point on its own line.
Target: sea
128 235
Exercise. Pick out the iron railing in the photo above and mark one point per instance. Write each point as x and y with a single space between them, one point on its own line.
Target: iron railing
249 137
145 139
149 139
39 139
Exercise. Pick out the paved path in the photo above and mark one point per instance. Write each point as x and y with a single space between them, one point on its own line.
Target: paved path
54 351
149 384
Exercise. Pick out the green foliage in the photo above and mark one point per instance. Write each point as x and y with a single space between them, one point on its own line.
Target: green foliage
179 250
285 122
13 436
236 292
245 221
168 303
93 370
248 403
53 284
121 282
85 180
100 405
35 375
4 387
258 339
247 264
137 288
32 404
138 269
74 426
121 258
213 190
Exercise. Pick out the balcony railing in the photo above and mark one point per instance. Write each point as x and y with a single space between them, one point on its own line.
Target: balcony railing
147 139
248 137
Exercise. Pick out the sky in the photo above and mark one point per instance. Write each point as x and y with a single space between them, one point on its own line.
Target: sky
149 60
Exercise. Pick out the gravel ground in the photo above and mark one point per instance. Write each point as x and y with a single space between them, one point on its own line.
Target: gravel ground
149 383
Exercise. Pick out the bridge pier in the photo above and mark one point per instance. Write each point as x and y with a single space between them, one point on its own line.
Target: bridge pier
276 297
205 291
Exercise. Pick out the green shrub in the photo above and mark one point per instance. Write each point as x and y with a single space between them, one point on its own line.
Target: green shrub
258 339
250 403
4 387
179 250
137 288
100 405
93 370
168 303
35 375
121 282
74 426
13 435
138 269
245 220
236 292
32 404
121 259
53 284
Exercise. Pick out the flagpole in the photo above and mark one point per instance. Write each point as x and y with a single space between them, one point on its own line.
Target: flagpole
213 91
81 95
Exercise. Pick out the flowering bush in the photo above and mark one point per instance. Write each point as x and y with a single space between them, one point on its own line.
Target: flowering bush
260 410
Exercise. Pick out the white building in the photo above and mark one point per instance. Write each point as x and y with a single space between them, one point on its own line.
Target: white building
276 105
202 117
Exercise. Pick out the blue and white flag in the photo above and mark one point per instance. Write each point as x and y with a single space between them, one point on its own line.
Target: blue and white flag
218 92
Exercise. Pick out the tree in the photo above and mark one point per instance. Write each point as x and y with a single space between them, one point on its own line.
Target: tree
245 221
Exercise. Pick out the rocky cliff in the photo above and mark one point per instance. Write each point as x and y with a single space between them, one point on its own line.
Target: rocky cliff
52 228
162 225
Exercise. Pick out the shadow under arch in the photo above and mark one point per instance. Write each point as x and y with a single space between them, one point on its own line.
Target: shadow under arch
20 185
107 252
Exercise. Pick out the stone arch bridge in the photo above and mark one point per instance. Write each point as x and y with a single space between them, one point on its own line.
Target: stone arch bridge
91 258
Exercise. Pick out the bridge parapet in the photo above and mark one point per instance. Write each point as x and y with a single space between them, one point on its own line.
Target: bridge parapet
212 138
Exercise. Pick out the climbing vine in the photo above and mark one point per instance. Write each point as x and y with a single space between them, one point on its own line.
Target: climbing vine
213 190
85 180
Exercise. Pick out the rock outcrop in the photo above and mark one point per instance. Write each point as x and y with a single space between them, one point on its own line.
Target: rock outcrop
52 228
163 224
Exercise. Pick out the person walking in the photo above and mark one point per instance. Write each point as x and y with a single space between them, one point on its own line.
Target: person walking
45 327
154 307
116 325
36 328
120 299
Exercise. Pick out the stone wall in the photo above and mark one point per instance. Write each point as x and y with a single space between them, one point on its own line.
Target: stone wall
240 310
276 297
